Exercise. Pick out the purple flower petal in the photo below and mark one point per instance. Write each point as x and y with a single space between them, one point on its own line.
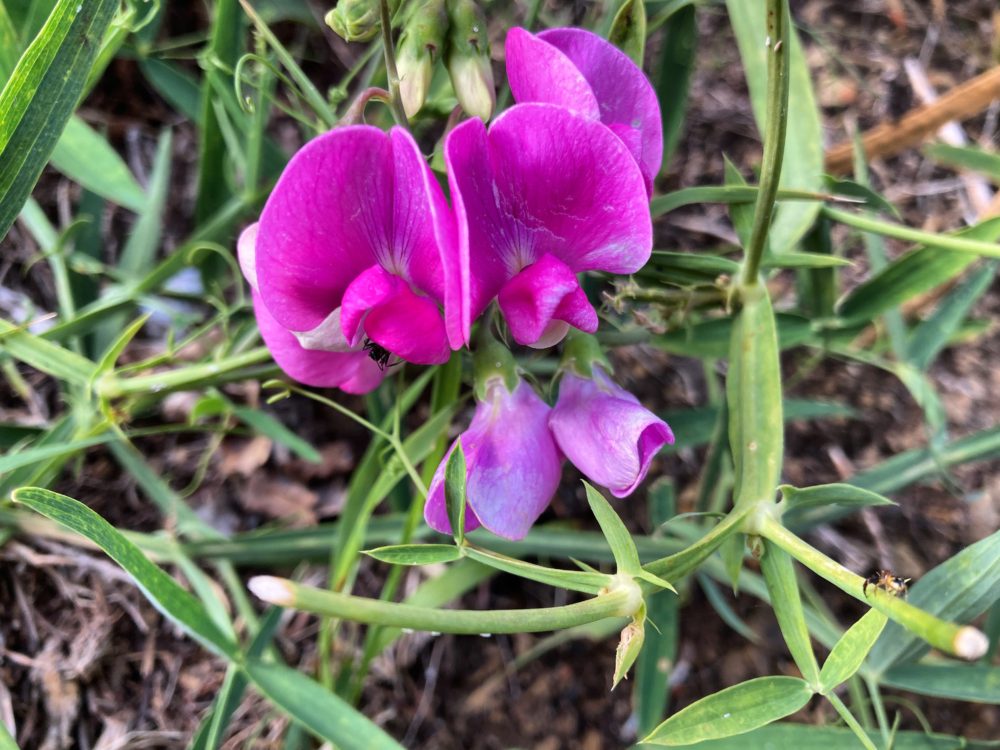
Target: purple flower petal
513 465
605 432
546 290
542 181
625 99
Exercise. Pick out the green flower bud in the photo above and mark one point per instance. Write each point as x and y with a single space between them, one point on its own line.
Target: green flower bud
468 59
354 20
581 352
419 46
492 360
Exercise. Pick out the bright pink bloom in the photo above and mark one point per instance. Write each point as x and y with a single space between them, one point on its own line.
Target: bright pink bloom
605 432
347 246
351 371
541 196
512 464
578 69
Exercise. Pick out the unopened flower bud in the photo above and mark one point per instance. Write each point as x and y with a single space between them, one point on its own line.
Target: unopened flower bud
468 59
354 20
420 44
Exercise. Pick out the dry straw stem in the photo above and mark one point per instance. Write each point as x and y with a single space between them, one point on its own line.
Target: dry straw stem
961 103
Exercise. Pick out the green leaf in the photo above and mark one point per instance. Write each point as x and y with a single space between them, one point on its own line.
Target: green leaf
416 554
830 494
735 710
28 456
960 588
779 575
619 539
806 737
928 338
673 75
628 30
589 582
979 683
802 166
317 709
850 651
161 590
267 425
918 271
454 492
753 392
710 339
6 741
175 85
966 157
88 159
42 93
43 355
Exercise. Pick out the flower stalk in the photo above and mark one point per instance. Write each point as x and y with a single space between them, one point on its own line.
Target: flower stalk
392 74
777 44
616 602
961 640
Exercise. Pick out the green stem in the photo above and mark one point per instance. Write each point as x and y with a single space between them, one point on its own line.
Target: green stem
774 135
888 229
879 707
942 635
112 386
680 564
462 622
849 719
390 65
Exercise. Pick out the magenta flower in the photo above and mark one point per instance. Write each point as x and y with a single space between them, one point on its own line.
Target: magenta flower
348 248
605 432
512 464
578 69
351 371
541 196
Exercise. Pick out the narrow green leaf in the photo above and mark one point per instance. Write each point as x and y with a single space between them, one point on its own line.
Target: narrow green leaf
918 271
979 683
140 249
863 192
753 392
733 711
321 712
673 75
628 30
619 539
712 338
42 93
454 492
960 588
36 454
416 554
802 166
928 338
779 575
267 425
830 494
589 582
971 158
850 651
86 157
43 355
807 737
175 85
791 259
161 590
122 340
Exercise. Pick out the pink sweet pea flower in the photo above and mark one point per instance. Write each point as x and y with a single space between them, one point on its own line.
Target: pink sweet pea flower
351 371
605 432
541 196
348 247
578 69
512 464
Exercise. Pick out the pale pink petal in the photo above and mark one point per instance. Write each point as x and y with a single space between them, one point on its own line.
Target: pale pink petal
246 252
545 290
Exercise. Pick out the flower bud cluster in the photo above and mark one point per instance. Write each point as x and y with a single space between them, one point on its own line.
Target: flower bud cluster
360 261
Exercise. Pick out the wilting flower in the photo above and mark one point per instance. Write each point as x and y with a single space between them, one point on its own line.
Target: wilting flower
605 432
541 196
512 464
346 254
578 69
354 372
